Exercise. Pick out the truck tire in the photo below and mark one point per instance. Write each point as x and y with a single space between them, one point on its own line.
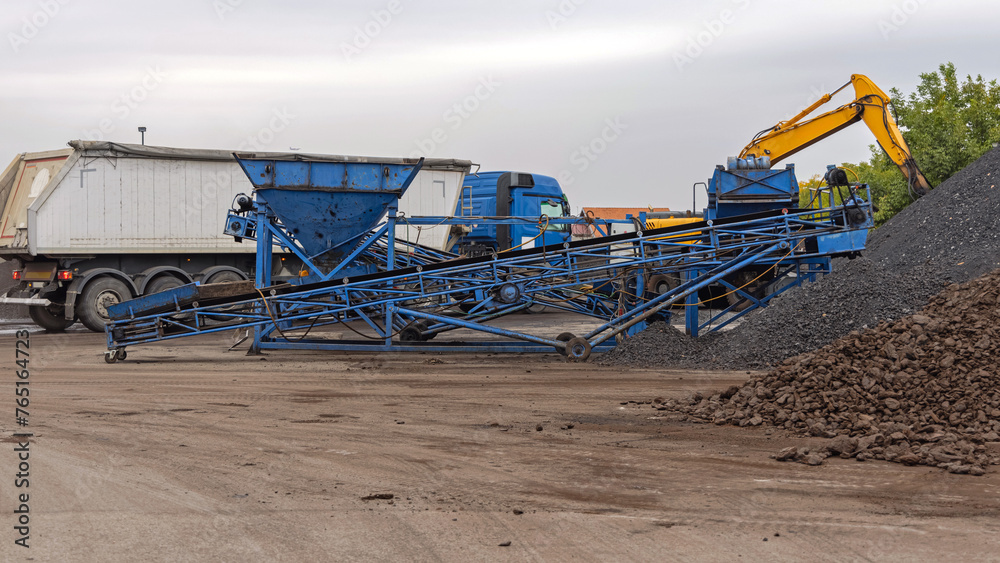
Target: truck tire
224 276
97 296
662 283
162 283
756 285
51 317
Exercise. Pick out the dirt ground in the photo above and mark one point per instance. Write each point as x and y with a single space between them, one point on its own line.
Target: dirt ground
187 452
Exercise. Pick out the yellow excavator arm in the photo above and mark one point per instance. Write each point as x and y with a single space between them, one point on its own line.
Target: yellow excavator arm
871 105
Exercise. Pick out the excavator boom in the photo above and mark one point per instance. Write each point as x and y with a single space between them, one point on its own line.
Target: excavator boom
870 105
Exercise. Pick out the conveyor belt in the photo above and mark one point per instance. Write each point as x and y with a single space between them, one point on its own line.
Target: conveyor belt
568 276
206 296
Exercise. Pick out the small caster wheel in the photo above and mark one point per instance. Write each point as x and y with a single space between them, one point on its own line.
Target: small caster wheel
122 354
424 335
410 334
564 337
577 350
111 356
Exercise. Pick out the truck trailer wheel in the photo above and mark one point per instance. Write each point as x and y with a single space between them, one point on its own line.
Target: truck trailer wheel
50 317
756 285
97 296
163 283
662 283
224 276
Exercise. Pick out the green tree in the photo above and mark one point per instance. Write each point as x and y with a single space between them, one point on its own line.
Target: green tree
947 124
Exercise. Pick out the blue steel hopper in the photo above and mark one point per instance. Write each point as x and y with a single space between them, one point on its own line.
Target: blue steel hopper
750 185
324 202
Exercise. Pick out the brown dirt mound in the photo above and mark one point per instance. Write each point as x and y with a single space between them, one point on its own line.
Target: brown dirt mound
921 390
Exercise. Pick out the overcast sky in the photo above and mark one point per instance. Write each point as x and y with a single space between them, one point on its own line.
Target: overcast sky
629 102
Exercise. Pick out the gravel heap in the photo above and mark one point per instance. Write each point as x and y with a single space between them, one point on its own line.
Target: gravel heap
951 235
924 389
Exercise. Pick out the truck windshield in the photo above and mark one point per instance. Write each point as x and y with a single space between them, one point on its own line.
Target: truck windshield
553 208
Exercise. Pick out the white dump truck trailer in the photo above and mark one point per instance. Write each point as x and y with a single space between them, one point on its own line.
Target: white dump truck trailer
99 223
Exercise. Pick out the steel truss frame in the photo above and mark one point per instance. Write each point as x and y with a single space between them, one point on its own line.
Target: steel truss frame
405 308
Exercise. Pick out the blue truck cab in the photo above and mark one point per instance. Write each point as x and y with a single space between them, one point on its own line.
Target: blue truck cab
510 194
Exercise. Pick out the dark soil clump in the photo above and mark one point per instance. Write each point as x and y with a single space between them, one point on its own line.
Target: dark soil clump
922 390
